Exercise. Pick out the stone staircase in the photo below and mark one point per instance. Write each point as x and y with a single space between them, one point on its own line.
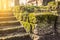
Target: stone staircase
58 24
58 20
10 27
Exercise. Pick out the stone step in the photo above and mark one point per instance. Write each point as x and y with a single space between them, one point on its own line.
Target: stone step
14 35
58 24
58 20
9 30
7 18
3 28
58 30
58 17
6 14
58 27
10 27
9 23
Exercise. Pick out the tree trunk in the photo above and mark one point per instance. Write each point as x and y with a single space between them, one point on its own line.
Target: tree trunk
16 2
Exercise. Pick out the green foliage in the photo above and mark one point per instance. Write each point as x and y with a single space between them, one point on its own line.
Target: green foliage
26 26
29 21
32 18
29 9
27 16
53 5
16 9
44 20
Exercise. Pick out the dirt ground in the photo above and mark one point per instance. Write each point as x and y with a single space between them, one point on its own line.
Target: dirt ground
45 37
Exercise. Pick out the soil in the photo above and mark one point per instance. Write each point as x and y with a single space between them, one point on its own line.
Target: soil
45 37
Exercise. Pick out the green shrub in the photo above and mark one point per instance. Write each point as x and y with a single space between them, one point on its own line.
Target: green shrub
28 18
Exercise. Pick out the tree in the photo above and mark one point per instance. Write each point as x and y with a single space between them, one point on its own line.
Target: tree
33 1
38 2
16 2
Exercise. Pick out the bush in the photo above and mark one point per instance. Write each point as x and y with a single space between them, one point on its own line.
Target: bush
27 15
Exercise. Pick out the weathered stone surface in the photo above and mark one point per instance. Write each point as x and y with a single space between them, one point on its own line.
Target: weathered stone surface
10 27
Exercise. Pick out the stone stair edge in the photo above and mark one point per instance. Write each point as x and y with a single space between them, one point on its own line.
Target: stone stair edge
9 21
10 28
16 35
8 17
